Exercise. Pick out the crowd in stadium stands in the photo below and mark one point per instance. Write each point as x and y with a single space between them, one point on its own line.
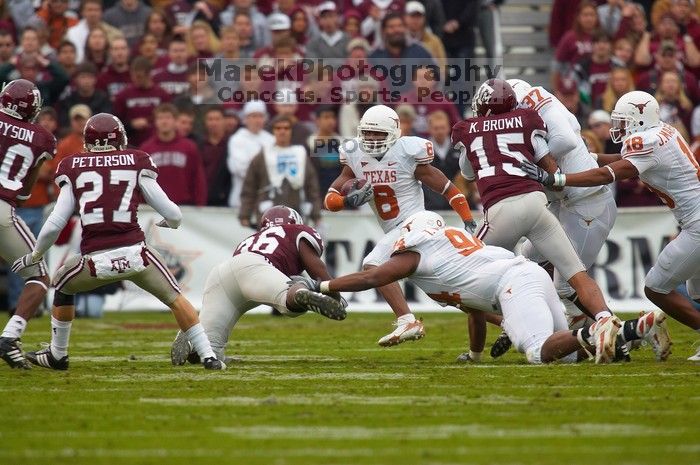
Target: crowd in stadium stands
140 61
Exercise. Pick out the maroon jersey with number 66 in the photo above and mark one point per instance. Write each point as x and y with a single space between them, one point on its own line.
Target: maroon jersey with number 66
106 189
495 146
22 146
280 245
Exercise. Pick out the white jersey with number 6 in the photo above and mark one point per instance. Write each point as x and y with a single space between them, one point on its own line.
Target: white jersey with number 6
397 193
457 268
668 168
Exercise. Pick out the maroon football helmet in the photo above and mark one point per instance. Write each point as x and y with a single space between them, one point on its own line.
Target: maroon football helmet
494 97
20 99
278 215
104 132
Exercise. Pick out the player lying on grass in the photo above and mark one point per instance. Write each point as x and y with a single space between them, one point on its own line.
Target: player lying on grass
23 149
455 268
394 168
257 274
657 153
105 184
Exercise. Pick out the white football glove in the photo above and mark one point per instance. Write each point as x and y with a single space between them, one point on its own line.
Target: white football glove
358 197
164 224
25 262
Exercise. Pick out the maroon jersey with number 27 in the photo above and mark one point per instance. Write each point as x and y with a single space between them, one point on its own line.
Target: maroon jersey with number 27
106 189
495 145
280 245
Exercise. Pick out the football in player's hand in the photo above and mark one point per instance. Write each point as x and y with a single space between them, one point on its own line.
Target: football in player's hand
351 185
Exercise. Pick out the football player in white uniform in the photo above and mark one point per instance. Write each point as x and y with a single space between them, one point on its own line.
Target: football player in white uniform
394 168
657 153
455 268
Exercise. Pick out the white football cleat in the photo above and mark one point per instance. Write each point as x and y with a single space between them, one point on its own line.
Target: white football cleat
404 332
696 357
604 333
653 326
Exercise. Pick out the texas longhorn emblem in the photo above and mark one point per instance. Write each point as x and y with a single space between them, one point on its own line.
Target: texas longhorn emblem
640 106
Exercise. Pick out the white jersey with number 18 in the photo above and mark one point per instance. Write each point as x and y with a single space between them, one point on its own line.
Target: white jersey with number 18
668 168
397 192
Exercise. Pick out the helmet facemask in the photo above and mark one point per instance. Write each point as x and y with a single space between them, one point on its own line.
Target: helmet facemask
622 125
376 143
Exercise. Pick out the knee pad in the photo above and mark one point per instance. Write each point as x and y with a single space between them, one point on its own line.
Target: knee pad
534 354
60 299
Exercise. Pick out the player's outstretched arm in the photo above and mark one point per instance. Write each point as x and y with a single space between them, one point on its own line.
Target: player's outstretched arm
154 196
606 158
312 262
334 201
618 170
399 266
438 182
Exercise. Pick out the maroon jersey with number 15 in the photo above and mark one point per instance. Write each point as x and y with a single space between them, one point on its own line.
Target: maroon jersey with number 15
22 146
280 245
495 145
106 190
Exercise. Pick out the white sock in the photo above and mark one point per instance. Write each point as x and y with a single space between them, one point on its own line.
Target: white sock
603 314
60 334
200 341
15 327
405 319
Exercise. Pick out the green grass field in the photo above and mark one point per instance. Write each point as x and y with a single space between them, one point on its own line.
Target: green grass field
312 391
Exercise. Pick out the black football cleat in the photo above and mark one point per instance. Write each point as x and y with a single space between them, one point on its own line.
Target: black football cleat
213 363
44 358
320 303
501 345
11 352
622 351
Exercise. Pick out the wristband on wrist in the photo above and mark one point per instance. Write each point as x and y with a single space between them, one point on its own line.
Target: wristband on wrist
324 287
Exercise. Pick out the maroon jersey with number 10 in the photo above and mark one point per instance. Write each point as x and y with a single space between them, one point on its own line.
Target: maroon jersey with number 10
495 146
280 245
22 146
106 190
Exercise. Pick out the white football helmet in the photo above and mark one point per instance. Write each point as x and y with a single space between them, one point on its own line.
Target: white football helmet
379 119
420 221
635 111
520 87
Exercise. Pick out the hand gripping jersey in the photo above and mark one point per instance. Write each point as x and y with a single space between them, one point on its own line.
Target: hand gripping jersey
22 146
397 192
280 246
564 141
106 189
492 148
668 168
456 268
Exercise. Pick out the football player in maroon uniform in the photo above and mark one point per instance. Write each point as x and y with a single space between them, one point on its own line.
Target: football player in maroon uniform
24 146
259 274
493 145
105 183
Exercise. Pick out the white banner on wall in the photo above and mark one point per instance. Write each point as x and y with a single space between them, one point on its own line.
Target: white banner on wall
209 235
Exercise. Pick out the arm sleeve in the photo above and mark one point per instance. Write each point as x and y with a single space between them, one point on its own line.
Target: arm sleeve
464 166
57 220
154 196
540 146
561 137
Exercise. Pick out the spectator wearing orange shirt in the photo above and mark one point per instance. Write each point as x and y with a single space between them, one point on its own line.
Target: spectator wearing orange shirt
58 19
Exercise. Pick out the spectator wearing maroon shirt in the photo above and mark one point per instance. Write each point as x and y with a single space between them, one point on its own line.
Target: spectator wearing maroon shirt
352 20
666 30
159 25
181 173
577 43
213 148
593 73
633 24
173 77
667 60
148 48
97 48
185 123
84 91
203 42
117 76
135 104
